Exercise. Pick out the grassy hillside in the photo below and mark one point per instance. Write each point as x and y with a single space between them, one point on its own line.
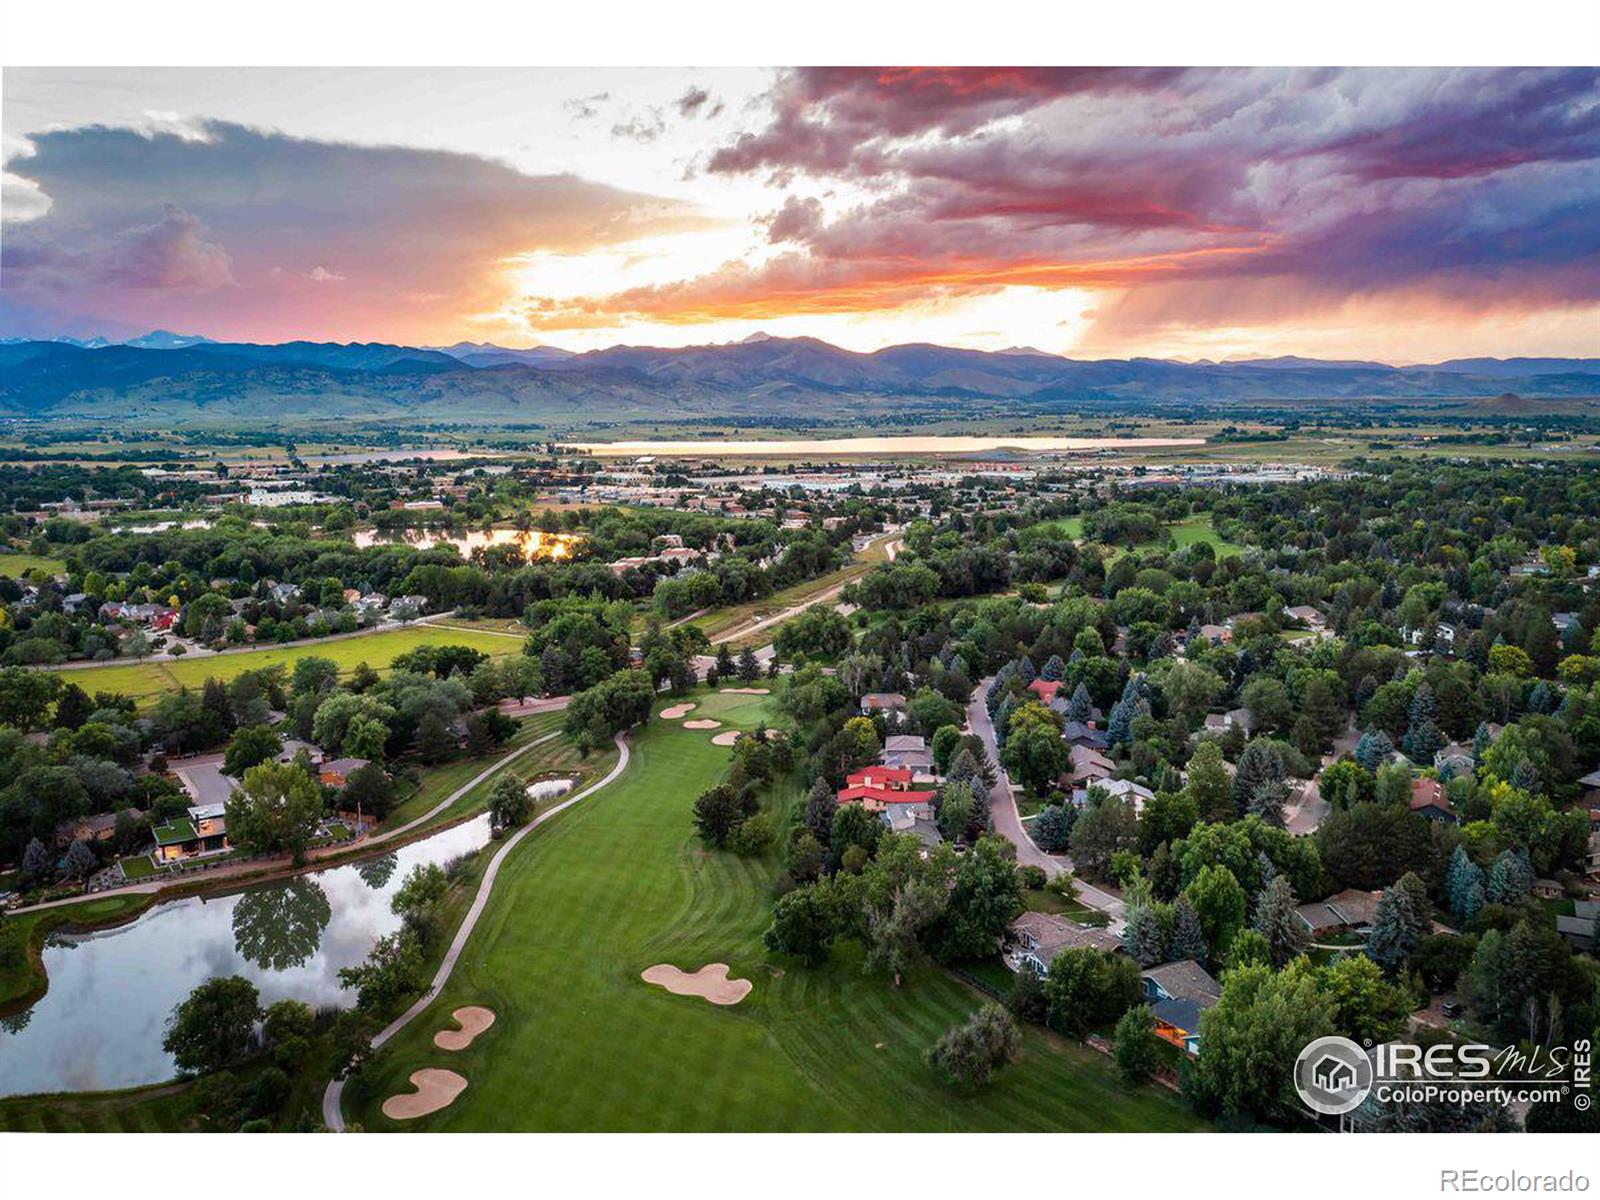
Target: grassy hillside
621 883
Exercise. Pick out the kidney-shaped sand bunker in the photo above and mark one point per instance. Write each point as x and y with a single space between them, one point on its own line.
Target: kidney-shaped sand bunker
710 982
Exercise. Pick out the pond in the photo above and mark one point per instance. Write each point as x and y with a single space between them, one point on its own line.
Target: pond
533 543
842 447
100 1024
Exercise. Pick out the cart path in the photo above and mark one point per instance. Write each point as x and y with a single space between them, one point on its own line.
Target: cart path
333 1095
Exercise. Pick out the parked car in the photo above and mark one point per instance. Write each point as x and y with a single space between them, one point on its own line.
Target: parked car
1452 1007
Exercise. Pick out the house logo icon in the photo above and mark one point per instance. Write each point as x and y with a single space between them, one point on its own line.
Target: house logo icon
1333 1075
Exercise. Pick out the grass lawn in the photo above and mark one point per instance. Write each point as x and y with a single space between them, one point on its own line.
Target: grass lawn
137 866
620 883
1070 527
435 783
1199 529
18 565
157 1109
144 682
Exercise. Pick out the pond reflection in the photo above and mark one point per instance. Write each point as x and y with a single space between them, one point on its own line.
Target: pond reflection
100 1024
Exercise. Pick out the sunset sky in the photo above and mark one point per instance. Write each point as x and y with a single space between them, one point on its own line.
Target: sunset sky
1401 215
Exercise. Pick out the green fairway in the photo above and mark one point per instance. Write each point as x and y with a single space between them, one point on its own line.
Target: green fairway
620 883
1198 529
1068 527
145 681
18 565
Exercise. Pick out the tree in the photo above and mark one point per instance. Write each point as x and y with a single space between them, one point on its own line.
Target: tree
1261 763
1219 903
1035 754
36 861
1208 784
894 932
215 1027
1088 989
81 860
1052 830
369 791
969 1054
286 1019
1252 1036
803 924
1366 1008
1278 923
275 809
251 745
510 805
1188 938
985 896
1099 833
1135 1049
1399 923
25 696
717 812
819 811
1143 936
1510 879
956 810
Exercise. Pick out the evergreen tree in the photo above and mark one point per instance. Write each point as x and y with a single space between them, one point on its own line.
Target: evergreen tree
1025 671
1400 922
1119 727
1480 740
1540 699
1052 831
1261 763
1372 749
1278 923
1510 879
1142 936
1053 670
1525 777
1080 706
1424 705
1421 742
1188 939
36 861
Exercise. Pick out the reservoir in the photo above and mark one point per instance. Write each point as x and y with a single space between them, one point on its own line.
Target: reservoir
868 446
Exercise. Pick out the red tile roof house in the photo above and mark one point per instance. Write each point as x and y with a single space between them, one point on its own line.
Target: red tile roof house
875 788
1429 799
1045 689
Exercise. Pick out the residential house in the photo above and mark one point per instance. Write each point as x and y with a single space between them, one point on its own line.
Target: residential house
875 788
1591 790
203 831
1177 993
1455 759
1088 766
1428 798
1079 733
1038 937
1234 718
882 702
908 751
1045 689
915 819
1350 910
1124 790
100 827
1308 616
1216 634
336 772
283 593
1583 926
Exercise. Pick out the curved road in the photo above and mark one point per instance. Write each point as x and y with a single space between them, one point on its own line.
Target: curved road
333 1095
1008 822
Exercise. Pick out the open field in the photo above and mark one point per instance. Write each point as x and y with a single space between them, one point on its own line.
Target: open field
1198 529
18 565
620 883
145 681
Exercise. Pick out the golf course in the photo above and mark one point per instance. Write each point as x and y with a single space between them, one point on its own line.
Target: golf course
619 884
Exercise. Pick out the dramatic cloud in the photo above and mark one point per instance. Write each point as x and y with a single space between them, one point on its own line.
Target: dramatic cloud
249 233
1191 194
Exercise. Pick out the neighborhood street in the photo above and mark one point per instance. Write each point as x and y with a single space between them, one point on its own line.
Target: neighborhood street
1008 823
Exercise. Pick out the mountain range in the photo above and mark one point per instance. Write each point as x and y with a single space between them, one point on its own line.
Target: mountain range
163 372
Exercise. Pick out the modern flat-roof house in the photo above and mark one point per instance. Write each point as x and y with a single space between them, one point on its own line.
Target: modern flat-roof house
1351 909
1038 937
203 831
1178 992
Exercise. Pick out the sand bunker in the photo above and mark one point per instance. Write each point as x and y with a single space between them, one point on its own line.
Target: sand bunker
436 1089
710 982
727 737
703 723
747 691
678 710
473 1021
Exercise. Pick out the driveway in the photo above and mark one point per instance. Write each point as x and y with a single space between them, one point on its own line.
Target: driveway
1008 823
